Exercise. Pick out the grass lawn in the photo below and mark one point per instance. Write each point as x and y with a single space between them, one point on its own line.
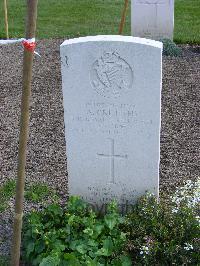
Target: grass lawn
187 21
69 18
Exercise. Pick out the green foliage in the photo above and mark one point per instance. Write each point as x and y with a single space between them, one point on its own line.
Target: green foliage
4 261
38 192
170 48
75 236
166 232
6 192
153 233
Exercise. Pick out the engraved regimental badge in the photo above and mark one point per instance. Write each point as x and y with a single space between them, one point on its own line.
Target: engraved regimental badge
111 75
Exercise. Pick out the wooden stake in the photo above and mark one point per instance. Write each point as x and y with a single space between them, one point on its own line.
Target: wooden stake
23 137
6 18
121 26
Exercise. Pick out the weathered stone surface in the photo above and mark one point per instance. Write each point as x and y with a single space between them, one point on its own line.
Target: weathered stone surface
153 19
112 92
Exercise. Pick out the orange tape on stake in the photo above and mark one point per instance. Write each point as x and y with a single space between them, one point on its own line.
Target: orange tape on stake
29 45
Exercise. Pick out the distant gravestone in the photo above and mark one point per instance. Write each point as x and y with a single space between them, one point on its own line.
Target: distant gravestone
153 19
112 97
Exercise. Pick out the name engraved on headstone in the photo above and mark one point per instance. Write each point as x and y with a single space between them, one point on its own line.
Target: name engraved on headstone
111 75
114 117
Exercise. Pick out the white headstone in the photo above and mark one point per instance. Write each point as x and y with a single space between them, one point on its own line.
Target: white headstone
153 19
112 100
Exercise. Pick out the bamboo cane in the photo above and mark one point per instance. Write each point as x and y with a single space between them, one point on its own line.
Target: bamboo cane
6 18
121 26
23 137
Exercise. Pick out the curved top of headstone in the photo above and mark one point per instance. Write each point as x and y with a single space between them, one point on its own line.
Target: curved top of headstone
114 38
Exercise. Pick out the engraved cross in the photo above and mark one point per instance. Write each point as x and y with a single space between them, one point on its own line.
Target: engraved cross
112 157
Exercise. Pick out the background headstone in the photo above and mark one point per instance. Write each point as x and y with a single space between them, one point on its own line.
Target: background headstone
153 19
112 97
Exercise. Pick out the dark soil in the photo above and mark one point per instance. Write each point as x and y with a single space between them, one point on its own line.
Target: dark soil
46 159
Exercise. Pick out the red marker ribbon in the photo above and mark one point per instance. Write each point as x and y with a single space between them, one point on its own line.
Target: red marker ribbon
28 44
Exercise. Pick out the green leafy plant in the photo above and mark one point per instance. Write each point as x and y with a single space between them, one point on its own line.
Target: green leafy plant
7 191
165 232
38 192
170 48
75 236
4 260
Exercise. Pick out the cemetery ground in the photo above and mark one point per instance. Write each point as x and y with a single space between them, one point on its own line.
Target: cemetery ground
81 18
46 160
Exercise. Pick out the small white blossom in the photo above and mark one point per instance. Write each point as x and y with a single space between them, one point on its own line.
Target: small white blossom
174 210
189 194
188 246
198 219
144 250
149 195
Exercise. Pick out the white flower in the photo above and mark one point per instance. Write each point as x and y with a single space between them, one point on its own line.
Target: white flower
144 250
198 219
189 194
174 210
188 182
149 195
188 246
